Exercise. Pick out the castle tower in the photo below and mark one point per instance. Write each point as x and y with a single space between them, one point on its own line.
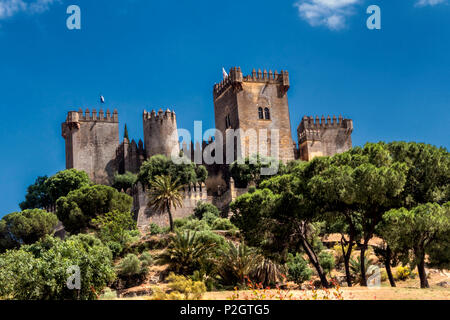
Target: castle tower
322 137
91 143
255 102
160 133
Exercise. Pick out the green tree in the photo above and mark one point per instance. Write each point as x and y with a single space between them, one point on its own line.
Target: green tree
40 271
283 214
64 182
114 228
164 195
161 165
417 230
250 170
428 174
37 196
358 187
25 227
124 181
79 207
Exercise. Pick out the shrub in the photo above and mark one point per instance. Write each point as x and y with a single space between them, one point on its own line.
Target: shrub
204 207
355 267
209 218
186 253
326 260
195 225
223 224
115 247
40 270
131 266
154 229
115 226
180 223
146 259
124 181
403 273
236 263
298 269
108 294
267 272
182 288
339 254
210 237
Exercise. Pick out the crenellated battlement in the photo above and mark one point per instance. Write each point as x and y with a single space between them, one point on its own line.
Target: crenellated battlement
236 78
160 115
313 128
88 116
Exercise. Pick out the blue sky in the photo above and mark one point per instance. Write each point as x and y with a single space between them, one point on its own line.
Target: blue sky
394 82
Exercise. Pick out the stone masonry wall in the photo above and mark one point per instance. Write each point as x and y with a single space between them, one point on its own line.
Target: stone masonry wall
92 141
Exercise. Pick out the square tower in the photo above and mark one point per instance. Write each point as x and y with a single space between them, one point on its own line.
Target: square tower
92 141
258 103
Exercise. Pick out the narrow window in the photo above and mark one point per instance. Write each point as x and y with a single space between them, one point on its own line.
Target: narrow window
227 122
267 112
260 113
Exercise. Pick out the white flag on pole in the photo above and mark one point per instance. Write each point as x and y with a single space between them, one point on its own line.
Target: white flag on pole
225 74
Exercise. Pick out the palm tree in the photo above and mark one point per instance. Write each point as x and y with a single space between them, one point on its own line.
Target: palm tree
165 194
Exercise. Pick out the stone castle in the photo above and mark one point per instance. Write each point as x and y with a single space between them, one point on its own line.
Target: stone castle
243 103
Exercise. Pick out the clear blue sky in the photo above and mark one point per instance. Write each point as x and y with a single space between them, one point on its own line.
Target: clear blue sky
394 82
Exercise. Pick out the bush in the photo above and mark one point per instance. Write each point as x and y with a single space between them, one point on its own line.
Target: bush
154 229
40 270
355 267
182 288
180 223
108 294
124 181
209 237
223 224
129 266
195 225
186 253
79 207
204 207
146 259
403 273
209 218
236 263
326 260
298 269
267 272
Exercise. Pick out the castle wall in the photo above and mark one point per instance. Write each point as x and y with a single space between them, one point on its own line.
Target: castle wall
240 98
324 137
146 216
91 143
130 156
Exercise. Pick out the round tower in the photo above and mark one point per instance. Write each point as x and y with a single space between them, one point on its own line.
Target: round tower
160 133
